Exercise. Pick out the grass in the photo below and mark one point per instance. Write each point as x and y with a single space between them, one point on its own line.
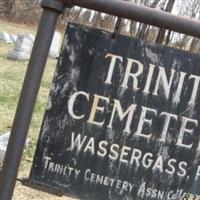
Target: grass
11 79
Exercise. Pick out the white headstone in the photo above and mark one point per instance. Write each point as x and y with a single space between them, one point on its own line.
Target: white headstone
32 37
3 145
55 45
22 48
13 38
4 36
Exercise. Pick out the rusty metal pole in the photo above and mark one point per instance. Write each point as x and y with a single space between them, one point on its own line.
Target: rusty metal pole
147 15
49 18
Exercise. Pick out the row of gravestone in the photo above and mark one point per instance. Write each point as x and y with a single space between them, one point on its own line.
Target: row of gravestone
21 51
23 45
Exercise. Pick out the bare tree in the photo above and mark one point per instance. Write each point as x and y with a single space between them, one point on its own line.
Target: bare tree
77 13
144 29
96 19
2 7
190 9
140 27
167 41
195 43
161 33
9 6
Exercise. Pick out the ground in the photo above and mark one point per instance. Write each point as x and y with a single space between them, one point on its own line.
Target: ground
11 79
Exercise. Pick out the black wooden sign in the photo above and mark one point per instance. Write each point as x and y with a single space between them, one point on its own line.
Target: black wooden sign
122 120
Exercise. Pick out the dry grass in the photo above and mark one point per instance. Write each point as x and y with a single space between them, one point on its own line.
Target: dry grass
15 28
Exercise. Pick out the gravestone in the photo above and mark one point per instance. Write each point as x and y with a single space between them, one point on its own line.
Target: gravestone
55 45
31 36
4 36
3 145
22 48
13 37
122 120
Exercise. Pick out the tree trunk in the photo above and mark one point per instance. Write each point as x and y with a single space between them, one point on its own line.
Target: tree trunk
168 38
96 19
161 34
2 7
194 45
133 28
77 17
9 5
143 29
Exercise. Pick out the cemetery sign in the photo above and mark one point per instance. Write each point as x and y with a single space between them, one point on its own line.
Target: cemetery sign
122 120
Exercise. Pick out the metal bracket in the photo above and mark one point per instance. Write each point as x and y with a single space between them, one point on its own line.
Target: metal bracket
55 5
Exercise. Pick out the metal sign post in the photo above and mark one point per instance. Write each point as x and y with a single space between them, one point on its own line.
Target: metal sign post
52 10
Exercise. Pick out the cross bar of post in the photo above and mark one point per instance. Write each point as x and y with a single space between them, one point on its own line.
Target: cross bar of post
23 115
143 14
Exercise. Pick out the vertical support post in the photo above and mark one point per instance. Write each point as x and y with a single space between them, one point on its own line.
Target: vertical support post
49 18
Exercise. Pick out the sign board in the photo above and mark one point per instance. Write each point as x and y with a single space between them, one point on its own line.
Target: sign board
122 120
